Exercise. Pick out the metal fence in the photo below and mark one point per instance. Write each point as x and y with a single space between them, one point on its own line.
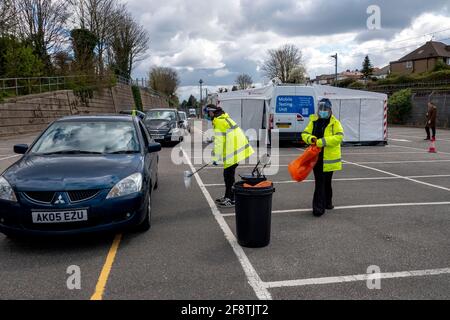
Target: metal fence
14 87
144 84
415 86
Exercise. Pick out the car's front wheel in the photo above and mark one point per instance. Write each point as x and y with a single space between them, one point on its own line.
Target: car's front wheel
146 224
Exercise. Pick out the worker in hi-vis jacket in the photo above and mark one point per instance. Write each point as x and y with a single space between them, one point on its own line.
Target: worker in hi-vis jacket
231 146
325 131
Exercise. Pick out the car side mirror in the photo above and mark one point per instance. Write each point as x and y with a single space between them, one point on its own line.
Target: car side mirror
154 147
21 148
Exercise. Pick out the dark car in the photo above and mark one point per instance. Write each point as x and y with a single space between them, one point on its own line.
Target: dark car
164 125
82 174
137 113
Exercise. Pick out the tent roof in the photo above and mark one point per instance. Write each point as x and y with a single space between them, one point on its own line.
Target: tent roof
342 93
266 93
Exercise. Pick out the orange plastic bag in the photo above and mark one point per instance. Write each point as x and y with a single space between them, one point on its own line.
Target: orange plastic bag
264 184
303 165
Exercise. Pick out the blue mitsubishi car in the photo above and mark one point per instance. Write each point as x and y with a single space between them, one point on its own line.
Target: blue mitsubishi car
83 174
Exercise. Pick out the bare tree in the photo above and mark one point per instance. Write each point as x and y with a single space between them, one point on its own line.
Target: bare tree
128 44
282 61
99 17
244 81
164 80
42 23
8 17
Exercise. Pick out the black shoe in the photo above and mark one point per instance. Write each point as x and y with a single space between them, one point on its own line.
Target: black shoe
427 139
318 214
330 207
220 200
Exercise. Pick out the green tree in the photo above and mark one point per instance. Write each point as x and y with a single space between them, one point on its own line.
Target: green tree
84 43
22 62
6 43
400 106
192 102
367 69
441 66
184 105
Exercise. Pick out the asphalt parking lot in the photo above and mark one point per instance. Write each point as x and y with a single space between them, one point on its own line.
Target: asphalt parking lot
392 211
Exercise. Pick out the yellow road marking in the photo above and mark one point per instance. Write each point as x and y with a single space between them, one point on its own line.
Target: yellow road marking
103 279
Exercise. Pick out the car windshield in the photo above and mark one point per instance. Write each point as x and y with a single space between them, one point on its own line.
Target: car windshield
161 115
182 116
93 137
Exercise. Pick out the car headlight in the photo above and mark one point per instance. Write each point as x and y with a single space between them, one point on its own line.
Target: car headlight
6 191
129 185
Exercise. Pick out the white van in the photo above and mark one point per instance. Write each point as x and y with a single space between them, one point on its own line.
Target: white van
290 110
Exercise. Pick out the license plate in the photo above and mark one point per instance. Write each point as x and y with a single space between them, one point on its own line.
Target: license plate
158 137
283 125
60 217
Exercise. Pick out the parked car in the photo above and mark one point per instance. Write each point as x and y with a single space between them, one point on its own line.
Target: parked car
164 125
186 124
83 174
192 113
138 113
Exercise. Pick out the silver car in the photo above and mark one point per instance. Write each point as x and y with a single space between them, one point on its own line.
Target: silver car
184 119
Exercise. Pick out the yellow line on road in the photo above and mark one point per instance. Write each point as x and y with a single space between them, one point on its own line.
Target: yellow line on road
103 279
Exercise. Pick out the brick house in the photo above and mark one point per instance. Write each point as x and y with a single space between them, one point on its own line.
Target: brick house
422 59
381 73
354 75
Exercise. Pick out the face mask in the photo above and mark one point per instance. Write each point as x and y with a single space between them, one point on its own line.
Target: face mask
324 114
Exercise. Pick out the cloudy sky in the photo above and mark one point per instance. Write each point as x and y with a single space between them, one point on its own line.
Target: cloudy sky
217 40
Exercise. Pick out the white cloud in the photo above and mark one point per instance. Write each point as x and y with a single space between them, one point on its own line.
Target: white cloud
216 40
222 73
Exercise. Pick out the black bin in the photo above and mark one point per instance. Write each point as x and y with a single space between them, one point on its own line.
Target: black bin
253 215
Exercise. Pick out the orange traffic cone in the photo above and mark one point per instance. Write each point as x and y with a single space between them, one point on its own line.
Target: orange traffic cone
433 146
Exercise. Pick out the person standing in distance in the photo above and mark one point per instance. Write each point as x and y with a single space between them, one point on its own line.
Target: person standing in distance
431 121
325 131
231 146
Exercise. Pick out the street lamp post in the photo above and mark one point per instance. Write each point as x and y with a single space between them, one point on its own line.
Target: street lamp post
201 97
336 69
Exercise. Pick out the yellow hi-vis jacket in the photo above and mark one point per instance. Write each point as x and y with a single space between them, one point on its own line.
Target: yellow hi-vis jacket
331 142
230 144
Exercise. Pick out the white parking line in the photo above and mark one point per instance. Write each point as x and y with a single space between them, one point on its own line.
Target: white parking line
344 154
412 148
399 176
354 278
253 278
407 161
363 206
344 162
10 157
421 138
400 140
347 179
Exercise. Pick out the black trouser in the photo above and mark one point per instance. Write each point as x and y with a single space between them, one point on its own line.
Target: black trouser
228 175
427 129
323 194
